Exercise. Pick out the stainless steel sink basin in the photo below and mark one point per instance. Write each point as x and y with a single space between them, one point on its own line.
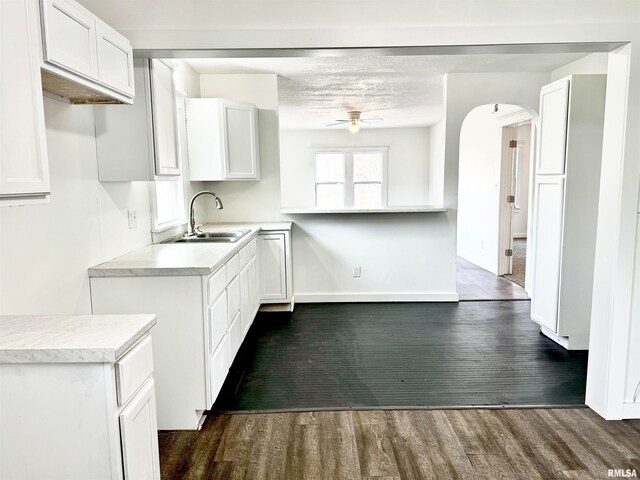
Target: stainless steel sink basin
211 236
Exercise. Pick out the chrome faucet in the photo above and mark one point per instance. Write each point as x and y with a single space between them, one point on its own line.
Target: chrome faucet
192 229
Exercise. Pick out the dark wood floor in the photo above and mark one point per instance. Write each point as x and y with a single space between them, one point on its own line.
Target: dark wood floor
522 444
341 356
475 283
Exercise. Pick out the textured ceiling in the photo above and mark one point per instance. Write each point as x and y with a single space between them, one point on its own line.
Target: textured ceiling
403 90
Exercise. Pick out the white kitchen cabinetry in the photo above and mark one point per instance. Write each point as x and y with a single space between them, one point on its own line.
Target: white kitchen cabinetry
85 60
276 276
24 170
223 140
139 141
202 320
567 181
80 419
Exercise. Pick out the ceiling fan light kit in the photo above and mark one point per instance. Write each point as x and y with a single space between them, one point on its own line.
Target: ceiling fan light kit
354 121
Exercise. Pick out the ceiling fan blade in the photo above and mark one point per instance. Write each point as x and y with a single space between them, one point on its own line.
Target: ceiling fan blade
372 120
338 122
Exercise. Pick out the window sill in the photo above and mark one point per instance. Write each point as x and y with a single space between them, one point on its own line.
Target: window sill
403 209
169 226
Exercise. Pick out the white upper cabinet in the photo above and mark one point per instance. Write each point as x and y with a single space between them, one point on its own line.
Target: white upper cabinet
70 37
115 60
138 142
163 106
24 172
85 60
552 144
223 139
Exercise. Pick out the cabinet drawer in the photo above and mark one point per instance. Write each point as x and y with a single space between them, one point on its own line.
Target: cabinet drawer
233 267
133 370
217 321
219 367
235 337
233 299
247 253
216 284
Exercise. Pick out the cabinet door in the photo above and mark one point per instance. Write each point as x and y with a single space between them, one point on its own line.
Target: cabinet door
115 60
70 37
552 144
23 151
246 313
219 364
217 321
164 119
139 436
548 228
254 287
240 141
273 276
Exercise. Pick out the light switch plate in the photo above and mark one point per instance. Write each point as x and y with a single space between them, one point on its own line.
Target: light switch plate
132 215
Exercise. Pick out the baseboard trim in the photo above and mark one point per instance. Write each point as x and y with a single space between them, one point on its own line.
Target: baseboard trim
630 410
520 235
376 297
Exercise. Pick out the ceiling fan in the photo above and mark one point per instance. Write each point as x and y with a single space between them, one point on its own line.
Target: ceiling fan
354 121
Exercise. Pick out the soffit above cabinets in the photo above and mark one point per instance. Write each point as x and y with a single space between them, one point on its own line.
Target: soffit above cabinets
406 91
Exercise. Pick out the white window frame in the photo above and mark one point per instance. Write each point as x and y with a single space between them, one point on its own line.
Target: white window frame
349 184
181 219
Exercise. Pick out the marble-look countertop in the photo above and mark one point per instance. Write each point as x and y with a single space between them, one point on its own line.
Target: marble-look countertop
70 338
182 258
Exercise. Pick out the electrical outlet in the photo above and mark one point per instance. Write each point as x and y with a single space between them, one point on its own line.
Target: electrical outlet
356 271
132 215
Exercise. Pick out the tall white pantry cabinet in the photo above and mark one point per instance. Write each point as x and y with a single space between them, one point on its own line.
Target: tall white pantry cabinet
567 182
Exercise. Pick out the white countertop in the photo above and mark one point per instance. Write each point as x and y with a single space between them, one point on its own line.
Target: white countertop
406 209
182 258
70 338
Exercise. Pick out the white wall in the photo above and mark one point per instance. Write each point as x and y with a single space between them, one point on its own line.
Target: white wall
436 163
479 188
407 162
248 201
398 253
595 63
45 250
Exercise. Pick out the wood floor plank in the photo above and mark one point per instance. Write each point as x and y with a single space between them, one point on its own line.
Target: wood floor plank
492 466
304 461
531 444
519 454
471 432
375 452
544 441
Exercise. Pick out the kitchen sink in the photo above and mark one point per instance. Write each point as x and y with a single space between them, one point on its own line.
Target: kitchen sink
211 236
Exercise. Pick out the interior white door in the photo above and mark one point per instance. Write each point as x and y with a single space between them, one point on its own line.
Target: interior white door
139 436
164 119
554 107
240 140
273 277
70 38
549 212
23 151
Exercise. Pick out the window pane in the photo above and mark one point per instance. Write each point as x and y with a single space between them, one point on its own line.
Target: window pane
169 201
367 167
330 195
329 167
367 195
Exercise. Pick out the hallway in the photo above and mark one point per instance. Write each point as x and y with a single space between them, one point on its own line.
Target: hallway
475 283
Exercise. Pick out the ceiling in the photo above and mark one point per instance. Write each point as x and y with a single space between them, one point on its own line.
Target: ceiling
403 90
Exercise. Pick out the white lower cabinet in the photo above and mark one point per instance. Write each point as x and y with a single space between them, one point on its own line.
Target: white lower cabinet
80 420
139 436
276 276
202 321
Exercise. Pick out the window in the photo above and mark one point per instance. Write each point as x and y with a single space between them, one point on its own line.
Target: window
168 195
351 177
